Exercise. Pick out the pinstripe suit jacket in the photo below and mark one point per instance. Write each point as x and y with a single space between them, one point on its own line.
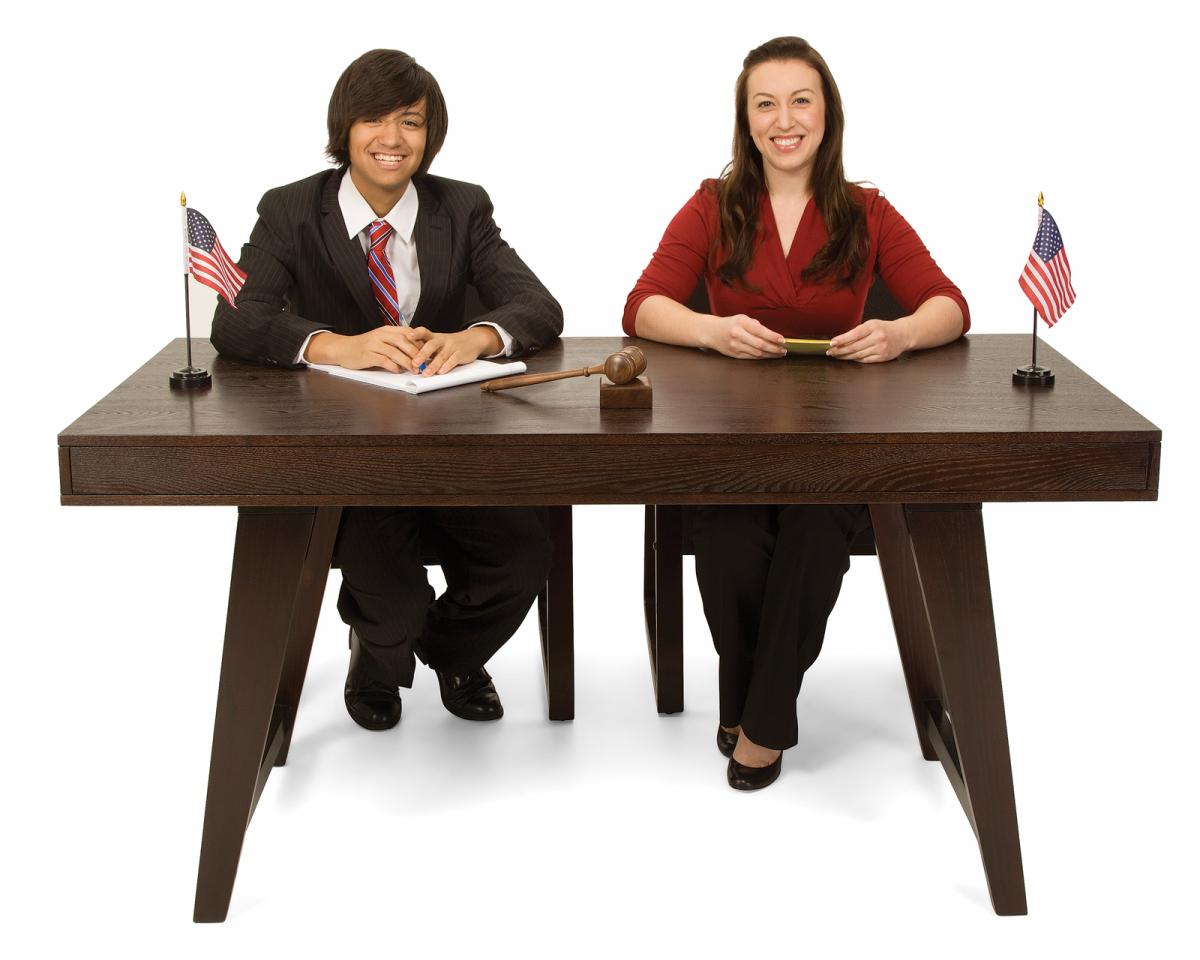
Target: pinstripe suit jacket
303 273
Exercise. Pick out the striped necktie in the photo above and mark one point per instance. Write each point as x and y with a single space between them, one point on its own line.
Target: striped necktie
382 280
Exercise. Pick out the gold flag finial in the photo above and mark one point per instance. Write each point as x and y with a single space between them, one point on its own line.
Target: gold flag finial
183 199
1041 199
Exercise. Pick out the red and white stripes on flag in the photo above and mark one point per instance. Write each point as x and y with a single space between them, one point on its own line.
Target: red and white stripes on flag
207 259
1046 278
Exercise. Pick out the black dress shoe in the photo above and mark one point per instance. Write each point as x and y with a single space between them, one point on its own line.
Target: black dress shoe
726 741
753 778
371 703
472 697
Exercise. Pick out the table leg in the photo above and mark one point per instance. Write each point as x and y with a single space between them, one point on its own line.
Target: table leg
268 569
917 656
663 600
556 619
966 724
305 613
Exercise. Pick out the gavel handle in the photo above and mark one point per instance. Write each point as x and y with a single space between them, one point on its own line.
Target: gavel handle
525 379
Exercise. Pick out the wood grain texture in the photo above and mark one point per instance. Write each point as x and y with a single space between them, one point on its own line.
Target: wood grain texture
636 394
958 392
305 613
909 618
64 470
941 426
587 473
944 426
268 562
950 558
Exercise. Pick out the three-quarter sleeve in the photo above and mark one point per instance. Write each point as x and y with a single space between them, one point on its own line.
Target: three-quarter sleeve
680 259
906 267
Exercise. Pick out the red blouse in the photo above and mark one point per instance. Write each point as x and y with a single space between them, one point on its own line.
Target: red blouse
784 303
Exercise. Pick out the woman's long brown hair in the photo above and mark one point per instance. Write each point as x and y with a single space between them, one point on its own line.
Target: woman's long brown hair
740 189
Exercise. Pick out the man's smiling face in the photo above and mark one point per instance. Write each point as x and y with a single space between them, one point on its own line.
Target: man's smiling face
385 152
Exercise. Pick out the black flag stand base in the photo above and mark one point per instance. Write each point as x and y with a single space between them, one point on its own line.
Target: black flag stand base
190 377
185 378
1033 376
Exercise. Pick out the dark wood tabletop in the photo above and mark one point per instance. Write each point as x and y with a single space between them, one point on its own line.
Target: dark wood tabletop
940 425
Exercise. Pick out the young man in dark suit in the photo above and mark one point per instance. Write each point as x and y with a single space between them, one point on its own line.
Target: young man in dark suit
367 265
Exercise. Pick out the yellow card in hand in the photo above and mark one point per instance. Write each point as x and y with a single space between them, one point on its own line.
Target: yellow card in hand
813 347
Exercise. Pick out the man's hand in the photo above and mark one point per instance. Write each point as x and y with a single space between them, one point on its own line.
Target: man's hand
872 341
389 347
442 352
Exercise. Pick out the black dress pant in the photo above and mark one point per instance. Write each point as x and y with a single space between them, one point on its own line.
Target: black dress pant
769 577
495 560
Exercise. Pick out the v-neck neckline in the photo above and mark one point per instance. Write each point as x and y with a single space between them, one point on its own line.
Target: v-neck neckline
774 228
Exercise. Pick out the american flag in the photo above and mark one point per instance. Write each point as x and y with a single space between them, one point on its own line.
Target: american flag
1046 278
207 259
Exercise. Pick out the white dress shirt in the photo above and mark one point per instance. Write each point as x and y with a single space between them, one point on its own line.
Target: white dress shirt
401 250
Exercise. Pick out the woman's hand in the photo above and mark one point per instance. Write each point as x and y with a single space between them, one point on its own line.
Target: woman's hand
872 341
442 352
742 337
938 320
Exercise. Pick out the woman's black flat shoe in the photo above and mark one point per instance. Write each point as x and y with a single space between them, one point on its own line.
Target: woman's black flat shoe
753 778
726 741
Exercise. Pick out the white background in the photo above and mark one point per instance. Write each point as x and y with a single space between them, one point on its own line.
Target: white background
614 833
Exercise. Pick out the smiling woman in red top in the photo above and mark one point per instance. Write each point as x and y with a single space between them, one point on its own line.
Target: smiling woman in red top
787 247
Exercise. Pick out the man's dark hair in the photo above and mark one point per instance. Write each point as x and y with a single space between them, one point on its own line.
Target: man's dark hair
378 83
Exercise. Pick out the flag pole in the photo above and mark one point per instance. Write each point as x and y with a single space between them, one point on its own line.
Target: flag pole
1034 363
1033 375
187 293
188 376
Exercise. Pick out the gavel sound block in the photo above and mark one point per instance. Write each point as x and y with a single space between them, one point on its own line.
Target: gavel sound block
626 389
637 394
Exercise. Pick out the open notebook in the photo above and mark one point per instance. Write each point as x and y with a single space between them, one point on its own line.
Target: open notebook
472 372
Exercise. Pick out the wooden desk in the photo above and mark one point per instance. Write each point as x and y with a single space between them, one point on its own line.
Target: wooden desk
924 440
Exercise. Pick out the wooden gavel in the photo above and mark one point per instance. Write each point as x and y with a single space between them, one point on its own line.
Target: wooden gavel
624 366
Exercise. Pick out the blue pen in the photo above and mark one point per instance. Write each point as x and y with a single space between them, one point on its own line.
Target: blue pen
404 323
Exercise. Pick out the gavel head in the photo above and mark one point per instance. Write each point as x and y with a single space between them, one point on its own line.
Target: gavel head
625 365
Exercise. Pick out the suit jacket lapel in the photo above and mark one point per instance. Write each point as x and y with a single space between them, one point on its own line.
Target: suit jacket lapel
346 253
431 233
